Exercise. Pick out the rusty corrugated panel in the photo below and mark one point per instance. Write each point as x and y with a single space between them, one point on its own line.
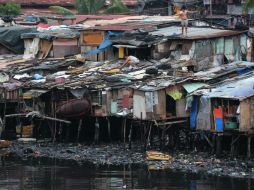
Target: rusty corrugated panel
80 18
195 33
91 37
127 26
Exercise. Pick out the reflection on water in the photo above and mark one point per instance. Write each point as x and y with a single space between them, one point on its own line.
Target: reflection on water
15 175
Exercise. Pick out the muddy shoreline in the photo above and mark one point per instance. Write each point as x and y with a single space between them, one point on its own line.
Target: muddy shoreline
118 154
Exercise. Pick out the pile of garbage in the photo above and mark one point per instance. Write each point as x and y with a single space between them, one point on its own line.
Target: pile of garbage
119 154
111 154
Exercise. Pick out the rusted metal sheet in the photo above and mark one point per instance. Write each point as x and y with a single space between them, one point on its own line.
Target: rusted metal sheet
195 33
127 26
65 47
91 37
74 108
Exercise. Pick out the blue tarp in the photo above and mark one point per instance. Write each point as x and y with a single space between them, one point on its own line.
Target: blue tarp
104 45
240 89
194 113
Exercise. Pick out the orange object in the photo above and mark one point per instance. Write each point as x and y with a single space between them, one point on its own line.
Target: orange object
217 112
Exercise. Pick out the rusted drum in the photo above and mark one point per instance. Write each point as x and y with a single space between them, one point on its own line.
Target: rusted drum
74 108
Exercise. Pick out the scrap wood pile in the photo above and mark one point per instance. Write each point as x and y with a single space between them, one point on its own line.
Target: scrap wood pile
70 73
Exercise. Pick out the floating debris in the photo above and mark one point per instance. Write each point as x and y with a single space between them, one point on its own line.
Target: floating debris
155 155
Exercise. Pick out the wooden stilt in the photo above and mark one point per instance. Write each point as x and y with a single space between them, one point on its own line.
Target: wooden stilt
218 145
21 130
141 131
232 145
67 135
2 160
214 143
97 131
249 147
79 129
249 184
124 130
149 135
208 140
60 132
109 129
130 135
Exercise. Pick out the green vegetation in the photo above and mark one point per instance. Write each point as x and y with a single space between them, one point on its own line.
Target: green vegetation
61 10
94 6
117 7
10 9
89 6
249 5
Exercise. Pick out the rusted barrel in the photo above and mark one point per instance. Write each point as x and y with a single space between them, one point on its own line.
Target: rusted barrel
75 108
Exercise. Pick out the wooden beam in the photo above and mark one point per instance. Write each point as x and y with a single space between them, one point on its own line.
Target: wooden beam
249 147
41 117
208 140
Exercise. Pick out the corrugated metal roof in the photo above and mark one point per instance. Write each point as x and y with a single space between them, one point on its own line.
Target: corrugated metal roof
129 26
222 70
240 90
80 18
194 32
191 87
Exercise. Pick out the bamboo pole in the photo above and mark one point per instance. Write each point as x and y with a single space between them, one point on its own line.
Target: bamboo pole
42 117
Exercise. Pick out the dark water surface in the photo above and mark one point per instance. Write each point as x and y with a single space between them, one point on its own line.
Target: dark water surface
17 175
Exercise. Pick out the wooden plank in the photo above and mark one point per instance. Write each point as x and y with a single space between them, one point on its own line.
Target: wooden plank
91 37
65 47
180 108
245 115
160 108
88 48
252 113
139 104
45 47
171 122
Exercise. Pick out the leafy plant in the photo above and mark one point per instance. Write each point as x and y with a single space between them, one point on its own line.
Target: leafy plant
116 7
249 5
10 9
61 10
89 6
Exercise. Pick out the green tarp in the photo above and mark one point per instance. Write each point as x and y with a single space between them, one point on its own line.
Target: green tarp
10 37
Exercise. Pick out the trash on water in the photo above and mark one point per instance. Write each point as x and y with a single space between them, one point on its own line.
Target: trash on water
4 144
155 155
26 140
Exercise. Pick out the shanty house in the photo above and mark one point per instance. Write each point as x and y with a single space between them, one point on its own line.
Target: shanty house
10 41
112 101
202 47
97 43
149 103
57 43
229 106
